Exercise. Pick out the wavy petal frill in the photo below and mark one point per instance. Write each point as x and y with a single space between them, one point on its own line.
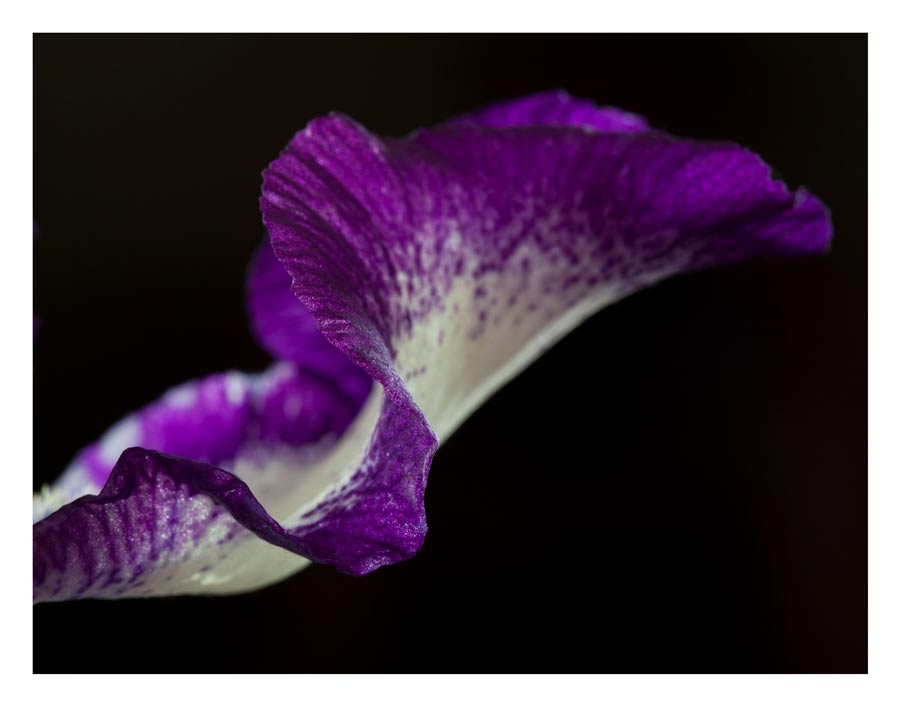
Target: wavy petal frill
440 265
165 524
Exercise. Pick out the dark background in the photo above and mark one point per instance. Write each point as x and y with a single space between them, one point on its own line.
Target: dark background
680 485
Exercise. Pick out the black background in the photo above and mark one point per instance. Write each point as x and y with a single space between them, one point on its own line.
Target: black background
680 485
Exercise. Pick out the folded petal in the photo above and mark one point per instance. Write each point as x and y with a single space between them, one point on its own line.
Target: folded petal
158 527
444 263
286 329
166 524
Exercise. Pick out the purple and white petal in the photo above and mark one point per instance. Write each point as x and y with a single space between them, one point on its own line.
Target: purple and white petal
161 525
446 262
438 265
168 524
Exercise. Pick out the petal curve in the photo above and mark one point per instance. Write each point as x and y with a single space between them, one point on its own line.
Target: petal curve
286 329
156 527
444 263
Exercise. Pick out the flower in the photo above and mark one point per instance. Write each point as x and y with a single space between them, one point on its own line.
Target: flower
406 280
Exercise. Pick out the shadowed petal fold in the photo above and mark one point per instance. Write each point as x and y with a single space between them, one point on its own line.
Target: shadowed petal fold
286 329
158 525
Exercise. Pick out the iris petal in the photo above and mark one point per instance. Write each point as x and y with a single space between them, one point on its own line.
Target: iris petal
439 266
445 263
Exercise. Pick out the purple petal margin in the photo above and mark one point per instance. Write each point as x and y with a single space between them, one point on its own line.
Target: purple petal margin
287 330
554 108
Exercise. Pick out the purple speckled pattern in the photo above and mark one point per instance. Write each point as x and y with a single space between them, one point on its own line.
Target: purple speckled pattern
438 265
533 220
146 519
156 514
230 419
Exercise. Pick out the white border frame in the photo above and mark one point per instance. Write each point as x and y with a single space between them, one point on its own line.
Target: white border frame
20 687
